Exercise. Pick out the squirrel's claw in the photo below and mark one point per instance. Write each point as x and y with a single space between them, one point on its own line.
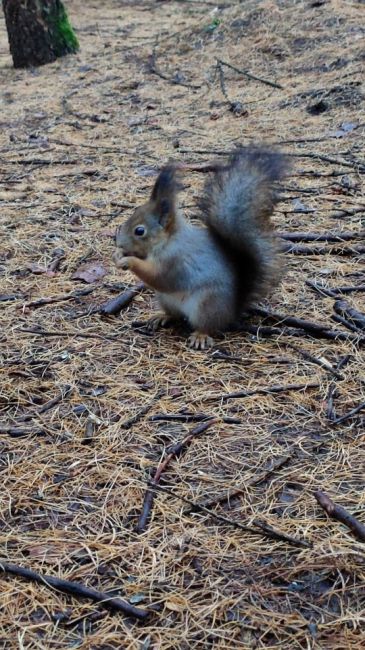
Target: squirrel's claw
160 320
200 341
121 262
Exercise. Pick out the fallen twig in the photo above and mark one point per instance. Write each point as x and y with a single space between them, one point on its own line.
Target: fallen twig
10 297
298 249
344 309
190 417
319 288
326 237
76 589
19 432
346 323
340 514
81 335
315 329
68 296
264 391
331 394
249 75
152 63
319 361
142 411
333 161
172 452
346 416
47 406
235 106
275 464
122 301
257 527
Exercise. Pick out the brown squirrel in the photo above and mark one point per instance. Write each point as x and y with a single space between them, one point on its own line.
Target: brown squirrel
207 275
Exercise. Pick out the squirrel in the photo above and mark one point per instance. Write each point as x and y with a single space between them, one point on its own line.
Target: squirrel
207 274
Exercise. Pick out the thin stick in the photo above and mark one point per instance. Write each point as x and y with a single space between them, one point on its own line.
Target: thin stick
275 464
258 526
344 309
346 323
298 249
354 411
323 363
76 589
327 237
18 432
172 452
333 292
328 159
249 75
323 291
190 417
122 301
315 329
127 424
264 391
68 296
340 514
332 389
81 335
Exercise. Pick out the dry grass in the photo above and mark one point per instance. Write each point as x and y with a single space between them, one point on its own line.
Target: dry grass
68 508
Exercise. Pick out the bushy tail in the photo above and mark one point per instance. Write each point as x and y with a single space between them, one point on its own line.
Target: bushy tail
237 204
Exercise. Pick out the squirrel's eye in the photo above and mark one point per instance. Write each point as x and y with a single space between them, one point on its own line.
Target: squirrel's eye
139 231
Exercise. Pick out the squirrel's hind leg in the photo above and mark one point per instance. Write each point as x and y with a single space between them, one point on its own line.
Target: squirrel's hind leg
209 311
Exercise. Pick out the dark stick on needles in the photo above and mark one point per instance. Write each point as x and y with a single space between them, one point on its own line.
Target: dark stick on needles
172 452
68 296
122 301
258 526
127 424
76 589
265 391
303 249
19 432
275 464
349 414
323 363
48 405
344 309
339 513
190 417
333 292
346 323
315 329
249 75
332 389
38 332
323 237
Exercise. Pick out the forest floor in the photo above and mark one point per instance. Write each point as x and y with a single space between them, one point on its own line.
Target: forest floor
262 566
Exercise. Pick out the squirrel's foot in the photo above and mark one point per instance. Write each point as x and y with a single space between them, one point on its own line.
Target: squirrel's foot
160 320
200 341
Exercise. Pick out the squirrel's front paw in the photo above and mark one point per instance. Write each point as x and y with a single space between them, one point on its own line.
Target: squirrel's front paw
120 261
124 263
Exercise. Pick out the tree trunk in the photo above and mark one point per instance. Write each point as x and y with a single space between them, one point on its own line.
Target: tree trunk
39 31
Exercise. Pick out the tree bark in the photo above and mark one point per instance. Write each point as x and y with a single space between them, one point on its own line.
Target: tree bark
39 31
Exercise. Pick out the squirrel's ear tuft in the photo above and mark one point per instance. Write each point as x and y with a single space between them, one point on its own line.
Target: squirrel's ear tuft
164 195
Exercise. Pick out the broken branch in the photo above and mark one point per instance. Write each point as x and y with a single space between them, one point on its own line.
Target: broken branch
76 589
172 452
340 514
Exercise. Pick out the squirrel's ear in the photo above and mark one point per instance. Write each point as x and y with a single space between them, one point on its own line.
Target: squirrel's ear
164 196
